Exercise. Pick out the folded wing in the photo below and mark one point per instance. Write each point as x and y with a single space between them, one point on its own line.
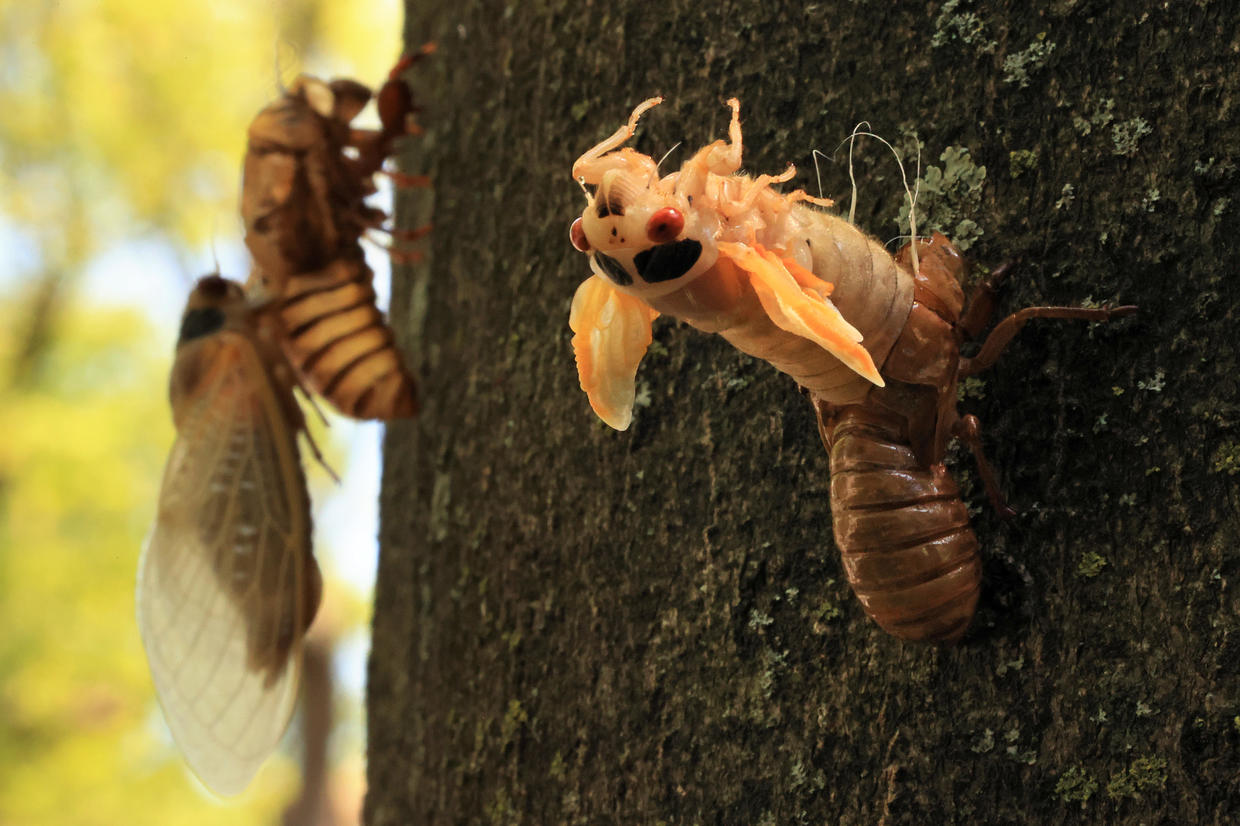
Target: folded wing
611 332
227 584
796 302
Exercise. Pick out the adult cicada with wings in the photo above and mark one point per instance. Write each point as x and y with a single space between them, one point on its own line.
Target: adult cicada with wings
228 584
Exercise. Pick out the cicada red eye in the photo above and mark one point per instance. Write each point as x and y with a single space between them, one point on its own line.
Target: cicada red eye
578 236
665 225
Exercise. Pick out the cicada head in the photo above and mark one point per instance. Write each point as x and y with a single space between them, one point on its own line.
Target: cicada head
211 304
216 305
641 232
298 120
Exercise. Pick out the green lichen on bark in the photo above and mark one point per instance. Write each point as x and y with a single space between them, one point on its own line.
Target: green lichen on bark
1019 66
948 198
578 626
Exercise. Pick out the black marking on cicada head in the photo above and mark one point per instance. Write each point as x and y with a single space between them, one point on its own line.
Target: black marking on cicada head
613 269
667 261
199 322
611 206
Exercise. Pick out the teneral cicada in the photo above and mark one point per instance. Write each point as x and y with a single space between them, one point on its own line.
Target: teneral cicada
873 343
227 583
307 175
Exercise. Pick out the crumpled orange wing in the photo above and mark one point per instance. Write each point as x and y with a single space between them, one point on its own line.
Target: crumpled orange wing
611 331
800 306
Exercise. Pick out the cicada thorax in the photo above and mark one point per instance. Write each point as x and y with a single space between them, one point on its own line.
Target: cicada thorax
867 286
926 353
870 288
307 175
217 320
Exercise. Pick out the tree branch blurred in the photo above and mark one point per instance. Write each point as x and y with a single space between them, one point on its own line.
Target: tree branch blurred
39 323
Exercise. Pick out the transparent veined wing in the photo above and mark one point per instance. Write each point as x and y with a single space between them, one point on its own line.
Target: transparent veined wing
227 583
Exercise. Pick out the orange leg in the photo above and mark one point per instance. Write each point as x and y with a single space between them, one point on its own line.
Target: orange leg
406 256
410 235
1007 329
407 236
976 316
404 180
410 58
981 306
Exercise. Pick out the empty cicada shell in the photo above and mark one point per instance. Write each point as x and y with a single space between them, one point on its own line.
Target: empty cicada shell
307 175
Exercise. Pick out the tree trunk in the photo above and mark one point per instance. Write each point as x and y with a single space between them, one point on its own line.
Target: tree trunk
575 625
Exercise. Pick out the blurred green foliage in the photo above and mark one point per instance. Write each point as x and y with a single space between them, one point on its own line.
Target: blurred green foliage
123 120
121 115
85 439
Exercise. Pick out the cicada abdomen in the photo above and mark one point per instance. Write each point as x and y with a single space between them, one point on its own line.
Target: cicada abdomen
227 583
899 522
307 175
901 528
339 341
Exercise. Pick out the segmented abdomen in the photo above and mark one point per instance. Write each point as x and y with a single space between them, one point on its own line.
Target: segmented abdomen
342 345
902 530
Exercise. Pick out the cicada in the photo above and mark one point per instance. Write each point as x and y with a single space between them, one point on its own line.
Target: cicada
307 175
873 342
227 583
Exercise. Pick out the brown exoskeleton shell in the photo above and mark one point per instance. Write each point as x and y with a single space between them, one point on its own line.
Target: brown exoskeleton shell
873 341
307 175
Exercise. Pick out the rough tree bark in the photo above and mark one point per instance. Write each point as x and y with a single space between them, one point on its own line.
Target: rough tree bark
574 625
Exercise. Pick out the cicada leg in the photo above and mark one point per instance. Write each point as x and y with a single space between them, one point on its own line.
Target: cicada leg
981 308
403 180
969 430
977 315
402 255
1006 330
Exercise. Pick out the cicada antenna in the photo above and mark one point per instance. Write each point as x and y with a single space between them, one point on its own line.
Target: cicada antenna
215 253
852 176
